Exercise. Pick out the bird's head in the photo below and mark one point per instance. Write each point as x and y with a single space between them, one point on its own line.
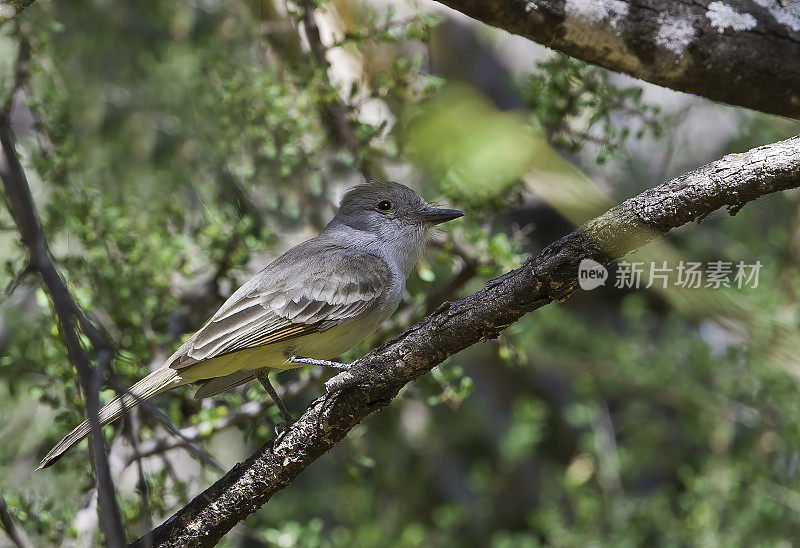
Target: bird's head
376 207
391 214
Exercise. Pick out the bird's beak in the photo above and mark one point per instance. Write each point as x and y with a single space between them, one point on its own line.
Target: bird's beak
435 215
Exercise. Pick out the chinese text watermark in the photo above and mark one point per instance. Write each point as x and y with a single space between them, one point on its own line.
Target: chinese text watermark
661 274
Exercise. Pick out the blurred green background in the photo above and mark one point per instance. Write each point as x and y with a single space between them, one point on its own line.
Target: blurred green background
174 148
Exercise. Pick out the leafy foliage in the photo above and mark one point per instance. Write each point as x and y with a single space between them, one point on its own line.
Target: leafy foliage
575 104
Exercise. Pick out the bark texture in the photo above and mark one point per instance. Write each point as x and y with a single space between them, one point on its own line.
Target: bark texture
552 276
11 8
740 52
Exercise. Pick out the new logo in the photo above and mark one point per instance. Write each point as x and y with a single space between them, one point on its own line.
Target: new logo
591 274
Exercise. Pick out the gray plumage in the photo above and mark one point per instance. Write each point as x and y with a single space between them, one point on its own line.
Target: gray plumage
317 300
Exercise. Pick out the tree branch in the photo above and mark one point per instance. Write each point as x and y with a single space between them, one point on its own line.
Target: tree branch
724 51
552 276
721 50
69 316
11 527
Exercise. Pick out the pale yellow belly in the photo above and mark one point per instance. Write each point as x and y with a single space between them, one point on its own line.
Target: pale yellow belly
325 345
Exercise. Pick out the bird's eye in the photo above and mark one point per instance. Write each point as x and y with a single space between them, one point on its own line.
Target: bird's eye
384 205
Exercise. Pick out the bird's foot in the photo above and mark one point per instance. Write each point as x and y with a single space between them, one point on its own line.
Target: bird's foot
323 363
343 380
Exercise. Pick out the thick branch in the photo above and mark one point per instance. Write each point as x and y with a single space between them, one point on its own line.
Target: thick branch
552 276
726 51
736 51
739 52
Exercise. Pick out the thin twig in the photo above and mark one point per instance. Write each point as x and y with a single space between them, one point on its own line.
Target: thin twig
202 455
247 412
141 484
20 67
12 528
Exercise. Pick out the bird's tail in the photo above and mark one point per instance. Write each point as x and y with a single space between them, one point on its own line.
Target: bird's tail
159 380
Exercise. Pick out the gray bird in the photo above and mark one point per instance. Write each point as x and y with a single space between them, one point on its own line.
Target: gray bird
314 302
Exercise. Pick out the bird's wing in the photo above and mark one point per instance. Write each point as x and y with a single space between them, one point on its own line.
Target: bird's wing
293 296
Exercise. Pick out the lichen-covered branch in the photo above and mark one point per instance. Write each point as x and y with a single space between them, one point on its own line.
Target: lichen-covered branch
741 52
375 379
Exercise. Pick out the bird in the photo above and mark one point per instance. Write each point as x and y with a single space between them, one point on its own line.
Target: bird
311 304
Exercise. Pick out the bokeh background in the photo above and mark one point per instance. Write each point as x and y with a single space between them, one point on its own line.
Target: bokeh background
174 148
